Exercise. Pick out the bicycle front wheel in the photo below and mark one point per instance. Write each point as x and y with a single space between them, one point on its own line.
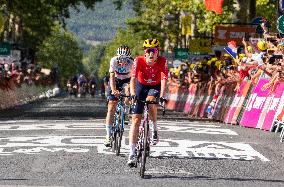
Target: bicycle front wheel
119 139
114 142
144 151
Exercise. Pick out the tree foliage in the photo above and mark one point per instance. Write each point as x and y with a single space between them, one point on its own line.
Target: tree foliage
161 19
61 50
92 59
36 18
267 9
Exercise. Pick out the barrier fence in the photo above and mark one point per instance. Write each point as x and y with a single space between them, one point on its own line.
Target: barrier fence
250 106
25 94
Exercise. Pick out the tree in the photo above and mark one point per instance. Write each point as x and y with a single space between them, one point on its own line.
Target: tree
267 9
35 18
93 58
61 50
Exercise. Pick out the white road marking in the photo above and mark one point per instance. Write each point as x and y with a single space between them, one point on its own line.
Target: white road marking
186 128
165 148
168 171
196 130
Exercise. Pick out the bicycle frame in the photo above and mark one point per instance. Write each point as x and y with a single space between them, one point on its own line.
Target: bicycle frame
119 113
118 125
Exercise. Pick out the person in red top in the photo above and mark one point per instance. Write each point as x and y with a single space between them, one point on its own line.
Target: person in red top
148 82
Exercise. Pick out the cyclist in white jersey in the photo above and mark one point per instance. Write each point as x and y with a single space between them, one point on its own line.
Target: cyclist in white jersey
120 73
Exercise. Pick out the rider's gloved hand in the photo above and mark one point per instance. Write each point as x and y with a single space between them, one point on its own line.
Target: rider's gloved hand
162 101
115 93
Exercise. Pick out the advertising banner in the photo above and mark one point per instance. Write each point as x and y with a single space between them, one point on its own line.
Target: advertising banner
181 100
205 104
224 34
172 97
255 105
276 102
243 94
234 105
191 95
200 45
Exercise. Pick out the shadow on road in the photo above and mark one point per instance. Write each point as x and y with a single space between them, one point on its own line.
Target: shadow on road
211 178
60 107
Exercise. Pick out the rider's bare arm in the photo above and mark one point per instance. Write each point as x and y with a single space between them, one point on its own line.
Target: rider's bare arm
164 79
163 88
133 86
133 78
112 81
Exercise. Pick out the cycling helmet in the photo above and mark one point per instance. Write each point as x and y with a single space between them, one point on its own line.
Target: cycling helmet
226 55
262 45
250 49
124 50
150 43
280 45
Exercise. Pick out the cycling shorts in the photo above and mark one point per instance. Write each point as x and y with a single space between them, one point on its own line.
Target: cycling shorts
120 84
142 92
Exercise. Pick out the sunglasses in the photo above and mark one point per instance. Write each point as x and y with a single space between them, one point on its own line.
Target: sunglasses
151 50
122 60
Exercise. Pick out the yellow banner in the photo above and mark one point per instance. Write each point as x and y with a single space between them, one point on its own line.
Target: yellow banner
200 45
186 25
1 22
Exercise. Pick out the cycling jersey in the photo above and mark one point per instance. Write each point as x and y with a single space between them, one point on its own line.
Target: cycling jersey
150 75
122 71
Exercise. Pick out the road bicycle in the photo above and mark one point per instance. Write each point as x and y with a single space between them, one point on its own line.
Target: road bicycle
118 124
144 140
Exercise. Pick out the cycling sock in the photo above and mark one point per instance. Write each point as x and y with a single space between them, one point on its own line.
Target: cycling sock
154 126
132 148
108 130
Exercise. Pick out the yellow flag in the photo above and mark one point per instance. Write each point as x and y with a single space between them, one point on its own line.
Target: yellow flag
186 25
2 21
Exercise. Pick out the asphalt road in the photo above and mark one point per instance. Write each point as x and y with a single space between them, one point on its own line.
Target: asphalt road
59 142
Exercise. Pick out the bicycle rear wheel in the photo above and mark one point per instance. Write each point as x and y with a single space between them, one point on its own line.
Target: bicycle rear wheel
120 133
144 150
119 139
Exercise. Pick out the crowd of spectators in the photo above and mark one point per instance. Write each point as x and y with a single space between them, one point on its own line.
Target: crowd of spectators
262 58
13 75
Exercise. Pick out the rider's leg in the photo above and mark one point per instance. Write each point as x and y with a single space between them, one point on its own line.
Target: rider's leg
153 112
133 133
109 120
137 110
153 94
109 117
126 101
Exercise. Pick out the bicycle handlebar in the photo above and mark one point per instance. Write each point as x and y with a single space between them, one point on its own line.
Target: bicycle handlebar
163 105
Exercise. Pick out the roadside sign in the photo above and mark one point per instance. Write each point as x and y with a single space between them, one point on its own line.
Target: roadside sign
200 45
224 34
181 53
5 49
280 24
